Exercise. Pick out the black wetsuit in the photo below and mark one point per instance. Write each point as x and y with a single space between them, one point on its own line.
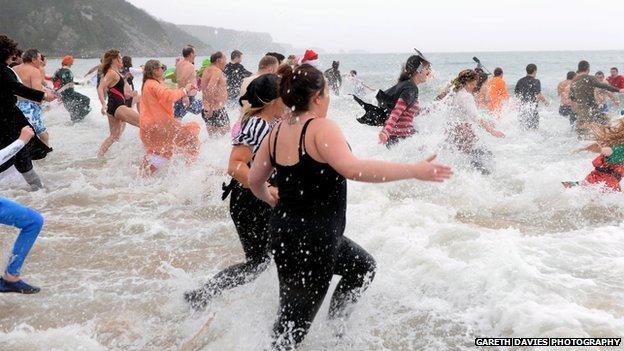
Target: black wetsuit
527 91
308 245
116 97
12 121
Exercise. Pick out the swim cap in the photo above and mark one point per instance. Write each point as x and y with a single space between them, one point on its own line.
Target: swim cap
68 60
261 91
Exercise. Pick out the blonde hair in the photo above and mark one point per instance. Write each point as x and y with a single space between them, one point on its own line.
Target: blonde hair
609 135
107 59
252 111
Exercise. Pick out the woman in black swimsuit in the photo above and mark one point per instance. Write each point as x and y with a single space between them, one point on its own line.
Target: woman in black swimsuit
312 161
119 93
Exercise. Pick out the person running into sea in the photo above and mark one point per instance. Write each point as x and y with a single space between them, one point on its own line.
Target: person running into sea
358 86
12 120
528 90
249 214
582 93
185 74
235 72
280 58
465 117
27 220
602 96
29 73
119 97
497 92
563 90
128 73
163 135
609 165
402 100
312 161
334 78
214 94
481 93
615 79
77 105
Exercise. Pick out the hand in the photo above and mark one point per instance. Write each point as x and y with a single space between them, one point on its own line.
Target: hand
432 172
26 134
274 193
48 96
383 138
186 102
103 110
191 89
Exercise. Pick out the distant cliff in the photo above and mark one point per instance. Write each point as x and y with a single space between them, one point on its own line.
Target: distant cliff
228 40
86 28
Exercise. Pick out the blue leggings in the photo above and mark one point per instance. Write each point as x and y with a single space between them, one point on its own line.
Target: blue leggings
30 223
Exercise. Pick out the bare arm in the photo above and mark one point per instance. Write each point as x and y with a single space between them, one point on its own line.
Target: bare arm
260 172
237 166
333 149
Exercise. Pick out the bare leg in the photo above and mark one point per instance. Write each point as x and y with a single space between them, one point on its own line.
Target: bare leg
115 127
45 137
126 114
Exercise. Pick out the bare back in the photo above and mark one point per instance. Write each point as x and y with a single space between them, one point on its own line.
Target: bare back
185 73
287 142
30 76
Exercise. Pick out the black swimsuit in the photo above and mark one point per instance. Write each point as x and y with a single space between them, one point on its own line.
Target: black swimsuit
116 97
307 227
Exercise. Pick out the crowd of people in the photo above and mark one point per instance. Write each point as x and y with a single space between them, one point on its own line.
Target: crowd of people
289 162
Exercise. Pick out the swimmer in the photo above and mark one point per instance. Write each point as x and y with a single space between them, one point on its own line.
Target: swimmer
461 128
214 94
30 75
235 72
601 96
161 133
402 101
563 90
615 79
249 214
27 220
582 93
119 93
609 165
528 90
185 74
358 86
312 162
77 105
334 78
497 91
12 120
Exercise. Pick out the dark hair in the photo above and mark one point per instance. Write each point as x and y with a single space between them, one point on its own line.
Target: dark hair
283 70
277 55
498 72
353 72
531 68
188 50
599 73
236 54
8 48
571 75
583 66
335 64
214 57
614 69
30 55
411 66
298 87
126 61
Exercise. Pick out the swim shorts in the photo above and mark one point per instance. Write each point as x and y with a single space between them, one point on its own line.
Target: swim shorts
218 118
32 111
195 107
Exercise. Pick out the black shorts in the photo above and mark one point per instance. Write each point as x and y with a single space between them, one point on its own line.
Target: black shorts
218 118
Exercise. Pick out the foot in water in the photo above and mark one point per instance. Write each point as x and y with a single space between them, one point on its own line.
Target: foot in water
19 286
198 299
570 184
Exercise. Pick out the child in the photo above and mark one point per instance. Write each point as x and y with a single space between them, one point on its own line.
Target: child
609 165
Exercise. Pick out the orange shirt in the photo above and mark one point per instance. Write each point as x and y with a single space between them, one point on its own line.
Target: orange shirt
498 94
161 133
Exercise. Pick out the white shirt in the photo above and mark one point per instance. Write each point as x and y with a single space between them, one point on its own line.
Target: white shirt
465 107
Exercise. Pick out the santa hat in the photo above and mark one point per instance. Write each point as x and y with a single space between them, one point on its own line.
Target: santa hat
67 60
310 57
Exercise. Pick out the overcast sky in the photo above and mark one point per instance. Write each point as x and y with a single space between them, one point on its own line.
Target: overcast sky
399 25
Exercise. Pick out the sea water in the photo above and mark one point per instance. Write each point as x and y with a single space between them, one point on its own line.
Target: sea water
510 254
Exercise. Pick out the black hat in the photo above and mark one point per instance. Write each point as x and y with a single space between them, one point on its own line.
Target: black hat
414 61
261 91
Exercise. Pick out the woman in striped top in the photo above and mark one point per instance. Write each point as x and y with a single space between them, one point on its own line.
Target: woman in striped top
404 101
250 215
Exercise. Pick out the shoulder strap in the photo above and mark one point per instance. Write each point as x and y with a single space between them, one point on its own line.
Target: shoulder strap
273 155
302 149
